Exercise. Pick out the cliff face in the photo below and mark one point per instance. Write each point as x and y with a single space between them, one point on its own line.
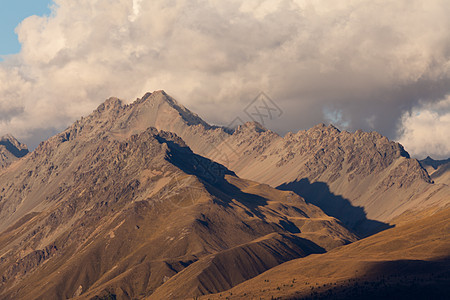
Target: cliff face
109 207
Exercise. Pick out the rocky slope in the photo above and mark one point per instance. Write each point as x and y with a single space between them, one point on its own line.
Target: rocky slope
11 150
361 178
111 209
411 261
119 206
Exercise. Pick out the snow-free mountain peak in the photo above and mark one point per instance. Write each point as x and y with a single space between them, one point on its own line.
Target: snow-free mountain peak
160 98
105 203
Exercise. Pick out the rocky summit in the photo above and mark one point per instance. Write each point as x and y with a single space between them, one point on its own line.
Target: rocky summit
148 201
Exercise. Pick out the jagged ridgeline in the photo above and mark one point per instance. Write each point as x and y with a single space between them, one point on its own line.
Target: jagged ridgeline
112 206
147 200
361 178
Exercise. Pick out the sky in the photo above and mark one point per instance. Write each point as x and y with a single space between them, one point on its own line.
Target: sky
372 65
11 14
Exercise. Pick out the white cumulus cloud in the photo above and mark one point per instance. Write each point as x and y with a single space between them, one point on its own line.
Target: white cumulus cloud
368 62
426 129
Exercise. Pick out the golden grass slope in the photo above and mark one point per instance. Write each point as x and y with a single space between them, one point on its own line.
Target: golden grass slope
410 261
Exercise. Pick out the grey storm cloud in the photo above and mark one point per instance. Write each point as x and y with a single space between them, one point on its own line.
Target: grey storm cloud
372 65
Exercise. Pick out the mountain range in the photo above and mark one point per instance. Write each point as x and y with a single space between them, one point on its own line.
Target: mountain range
361 178
147 200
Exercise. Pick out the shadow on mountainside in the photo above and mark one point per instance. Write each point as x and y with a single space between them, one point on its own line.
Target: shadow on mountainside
13 149
319 194
213 175
397 279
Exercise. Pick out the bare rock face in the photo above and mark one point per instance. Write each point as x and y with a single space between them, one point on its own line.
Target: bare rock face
11 150
122 209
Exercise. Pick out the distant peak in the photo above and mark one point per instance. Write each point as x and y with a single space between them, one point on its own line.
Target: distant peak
160 97
8 137
434 162
13 145
322 127
334 127
110 104
253 126
162 92
113 101
150 94
11 139
146 96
